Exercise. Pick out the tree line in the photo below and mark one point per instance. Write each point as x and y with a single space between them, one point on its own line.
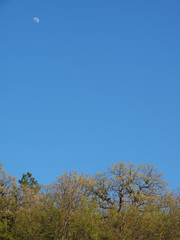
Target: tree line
125 202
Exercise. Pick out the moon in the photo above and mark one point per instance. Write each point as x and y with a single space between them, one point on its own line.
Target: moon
36 19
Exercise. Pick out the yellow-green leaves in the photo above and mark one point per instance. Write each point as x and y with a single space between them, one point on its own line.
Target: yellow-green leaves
126 202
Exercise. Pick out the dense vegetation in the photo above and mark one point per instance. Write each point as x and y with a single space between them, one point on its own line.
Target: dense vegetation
125 202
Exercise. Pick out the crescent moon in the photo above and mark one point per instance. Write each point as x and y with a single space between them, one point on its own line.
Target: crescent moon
36 19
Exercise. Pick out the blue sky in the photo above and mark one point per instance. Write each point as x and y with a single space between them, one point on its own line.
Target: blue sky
95 82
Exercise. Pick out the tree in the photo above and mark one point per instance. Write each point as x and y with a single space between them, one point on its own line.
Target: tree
126 184
28 181
126 202
68 196
7 203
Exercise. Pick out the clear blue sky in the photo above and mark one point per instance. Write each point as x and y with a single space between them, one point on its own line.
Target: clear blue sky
95 82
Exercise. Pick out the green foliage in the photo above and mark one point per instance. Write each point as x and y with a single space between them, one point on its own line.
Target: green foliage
28 181
125 202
